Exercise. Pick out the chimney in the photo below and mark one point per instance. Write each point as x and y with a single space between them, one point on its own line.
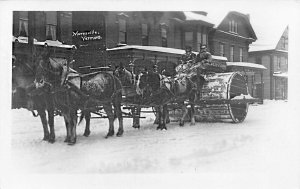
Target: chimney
248 16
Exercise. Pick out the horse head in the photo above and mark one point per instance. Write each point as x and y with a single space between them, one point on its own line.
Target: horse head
148 83
126 77
48 72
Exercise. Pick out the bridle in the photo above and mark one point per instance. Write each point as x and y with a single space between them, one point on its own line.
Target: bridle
46 71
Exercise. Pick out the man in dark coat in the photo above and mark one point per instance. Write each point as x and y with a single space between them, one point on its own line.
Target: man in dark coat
203 59
189 56
204 56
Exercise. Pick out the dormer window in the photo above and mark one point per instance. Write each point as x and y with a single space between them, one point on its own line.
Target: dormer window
233 26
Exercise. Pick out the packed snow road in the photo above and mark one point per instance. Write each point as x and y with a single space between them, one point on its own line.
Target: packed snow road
263 143
203 147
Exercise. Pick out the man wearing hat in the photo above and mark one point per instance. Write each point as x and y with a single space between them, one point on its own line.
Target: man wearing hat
203 56
202 59
189 56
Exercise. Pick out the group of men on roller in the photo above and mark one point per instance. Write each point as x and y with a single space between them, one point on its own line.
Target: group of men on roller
194 66
190 62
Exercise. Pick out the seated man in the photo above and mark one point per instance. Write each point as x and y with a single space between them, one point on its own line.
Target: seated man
186 61
203 58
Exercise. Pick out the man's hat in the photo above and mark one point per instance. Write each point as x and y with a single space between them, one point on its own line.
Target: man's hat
203 47
188 47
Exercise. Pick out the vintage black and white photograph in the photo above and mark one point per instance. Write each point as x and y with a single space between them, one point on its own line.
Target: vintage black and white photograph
177 94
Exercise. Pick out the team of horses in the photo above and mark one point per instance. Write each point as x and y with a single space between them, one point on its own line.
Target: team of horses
47 85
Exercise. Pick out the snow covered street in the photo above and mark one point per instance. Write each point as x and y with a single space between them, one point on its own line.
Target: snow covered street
263 144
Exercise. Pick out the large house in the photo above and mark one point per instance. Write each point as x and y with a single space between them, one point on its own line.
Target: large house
271 51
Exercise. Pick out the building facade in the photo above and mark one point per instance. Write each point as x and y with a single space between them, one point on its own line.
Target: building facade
93 32
275 58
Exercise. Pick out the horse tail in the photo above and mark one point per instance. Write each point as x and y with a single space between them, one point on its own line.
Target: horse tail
81 117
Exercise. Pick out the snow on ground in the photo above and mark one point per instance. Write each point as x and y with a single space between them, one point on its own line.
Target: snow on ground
264 146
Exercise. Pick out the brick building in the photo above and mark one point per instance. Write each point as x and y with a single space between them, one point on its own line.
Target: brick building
33 29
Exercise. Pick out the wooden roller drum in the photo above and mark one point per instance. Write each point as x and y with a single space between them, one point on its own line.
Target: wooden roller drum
217 96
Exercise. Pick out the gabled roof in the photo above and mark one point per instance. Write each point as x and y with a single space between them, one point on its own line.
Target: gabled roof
218 21
267 38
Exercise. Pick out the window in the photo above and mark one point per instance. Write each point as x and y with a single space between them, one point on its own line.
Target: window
23 24
164 37
284 43
145 38
199 41
51 23
278 63
222 49
204 39
188 38
241 55
231 54
233 26
122 31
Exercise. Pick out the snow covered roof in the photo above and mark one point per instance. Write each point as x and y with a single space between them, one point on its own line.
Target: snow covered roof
50 43
284 75
268 38
160 49
150 48
247 65
195 16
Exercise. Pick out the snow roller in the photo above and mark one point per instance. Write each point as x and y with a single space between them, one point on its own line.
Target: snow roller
224 98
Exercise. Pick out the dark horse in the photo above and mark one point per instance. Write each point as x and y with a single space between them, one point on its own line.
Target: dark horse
154 94
24 95
73 91
128 81
162 90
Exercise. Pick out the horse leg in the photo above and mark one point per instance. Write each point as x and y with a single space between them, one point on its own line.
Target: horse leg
185 112
136 114
67 123
110 115
159 117
51 125
192 114
167 117
87 116
164 117
73 124
156 121
44 123
117 107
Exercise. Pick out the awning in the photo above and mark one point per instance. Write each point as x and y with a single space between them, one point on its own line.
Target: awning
246 65
282 75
